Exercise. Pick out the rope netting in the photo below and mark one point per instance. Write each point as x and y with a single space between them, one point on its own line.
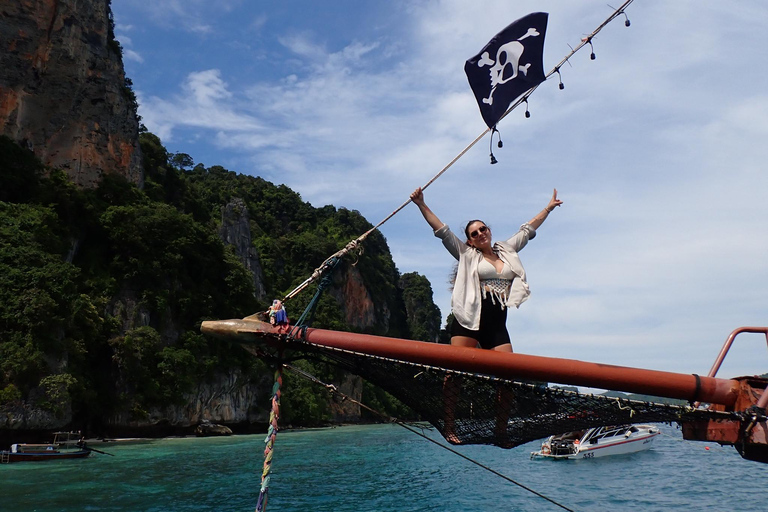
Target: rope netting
471 408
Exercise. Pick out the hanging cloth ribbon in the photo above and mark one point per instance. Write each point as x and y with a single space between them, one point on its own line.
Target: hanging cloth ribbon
274 415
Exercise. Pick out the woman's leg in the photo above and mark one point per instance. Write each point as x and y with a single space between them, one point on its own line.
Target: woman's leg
504 400
466 341
451 390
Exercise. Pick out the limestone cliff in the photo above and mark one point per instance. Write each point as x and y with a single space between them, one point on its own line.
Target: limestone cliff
354 298
63 91
229 399
348 411
423 316
235 230
64 96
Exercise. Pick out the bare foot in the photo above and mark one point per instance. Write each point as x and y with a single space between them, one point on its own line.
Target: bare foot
452 438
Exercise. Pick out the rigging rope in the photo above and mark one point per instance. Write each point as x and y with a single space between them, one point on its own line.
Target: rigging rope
305 320
354 244
334 391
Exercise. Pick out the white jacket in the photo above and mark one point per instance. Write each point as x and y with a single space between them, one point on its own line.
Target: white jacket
467 296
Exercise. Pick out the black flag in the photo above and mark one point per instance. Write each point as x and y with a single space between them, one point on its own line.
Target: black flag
509 65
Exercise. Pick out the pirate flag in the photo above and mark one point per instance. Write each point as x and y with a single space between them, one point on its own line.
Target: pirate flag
509 65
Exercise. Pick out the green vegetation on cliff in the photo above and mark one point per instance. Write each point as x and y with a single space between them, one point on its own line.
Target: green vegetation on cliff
102 291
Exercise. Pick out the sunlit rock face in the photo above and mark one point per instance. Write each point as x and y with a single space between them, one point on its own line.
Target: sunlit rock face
63 91
355 299
235 230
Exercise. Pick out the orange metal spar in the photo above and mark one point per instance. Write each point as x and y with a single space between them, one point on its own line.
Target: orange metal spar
521 366
504 365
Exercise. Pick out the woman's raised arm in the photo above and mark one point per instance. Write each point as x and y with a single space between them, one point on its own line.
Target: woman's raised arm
540 217
418 199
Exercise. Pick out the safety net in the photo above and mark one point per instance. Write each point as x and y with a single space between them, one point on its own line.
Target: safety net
468 408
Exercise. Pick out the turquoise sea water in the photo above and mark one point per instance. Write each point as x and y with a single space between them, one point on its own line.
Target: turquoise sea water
381 468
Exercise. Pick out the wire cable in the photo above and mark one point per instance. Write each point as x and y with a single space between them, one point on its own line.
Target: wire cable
334 391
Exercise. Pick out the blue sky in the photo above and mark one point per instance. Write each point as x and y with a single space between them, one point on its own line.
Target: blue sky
657 149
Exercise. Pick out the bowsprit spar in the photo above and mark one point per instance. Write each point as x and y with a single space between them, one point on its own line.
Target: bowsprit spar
508 385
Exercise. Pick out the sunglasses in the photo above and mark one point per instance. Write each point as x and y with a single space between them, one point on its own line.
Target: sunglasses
481 229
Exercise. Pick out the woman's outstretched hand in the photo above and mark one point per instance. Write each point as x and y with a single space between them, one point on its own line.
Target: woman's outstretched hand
553 203
417 196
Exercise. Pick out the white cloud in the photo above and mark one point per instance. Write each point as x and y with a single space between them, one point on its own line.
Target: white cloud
132 55
186 15
126 42
203 103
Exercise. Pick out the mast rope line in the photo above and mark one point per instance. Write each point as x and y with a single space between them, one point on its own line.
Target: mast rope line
356 243
305 320
412 427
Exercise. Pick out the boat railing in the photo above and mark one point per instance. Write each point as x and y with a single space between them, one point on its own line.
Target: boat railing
67 440
729 342
763 401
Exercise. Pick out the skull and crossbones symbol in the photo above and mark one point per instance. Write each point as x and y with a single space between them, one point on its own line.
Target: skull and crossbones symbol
508 54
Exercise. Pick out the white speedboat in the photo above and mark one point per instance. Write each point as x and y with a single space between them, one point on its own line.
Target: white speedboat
598 442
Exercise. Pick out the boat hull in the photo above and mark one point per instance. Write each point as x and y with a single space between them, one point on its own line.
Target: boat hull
38 457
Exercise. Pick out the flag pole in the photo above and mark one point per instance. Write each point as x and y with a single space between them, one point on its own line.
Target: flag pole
328 263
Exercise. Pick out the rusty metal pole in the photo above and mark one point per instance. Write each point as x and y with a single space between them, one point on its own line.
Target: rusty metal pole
688 387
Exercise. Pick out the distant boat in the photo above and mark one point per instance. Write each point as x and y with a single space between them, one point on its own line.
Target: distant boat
598 442
65 445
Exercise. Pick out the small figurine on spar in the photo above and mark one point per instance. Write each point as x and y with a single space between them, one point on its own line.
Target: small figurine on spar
277 314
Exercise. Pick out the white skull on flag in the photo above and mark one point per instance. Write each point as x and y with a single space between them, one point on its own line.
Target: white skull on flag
508 55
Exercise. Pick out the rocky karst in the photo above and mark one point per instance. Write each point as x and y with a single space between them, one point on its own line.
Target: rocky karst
63 91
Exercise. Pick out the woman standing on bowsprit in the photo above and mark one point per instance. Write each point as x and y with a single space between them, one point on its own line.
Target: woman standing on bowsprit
490 279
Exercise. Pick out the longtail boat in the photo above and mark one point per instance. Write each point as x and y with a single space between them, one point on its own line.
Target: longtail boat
65 445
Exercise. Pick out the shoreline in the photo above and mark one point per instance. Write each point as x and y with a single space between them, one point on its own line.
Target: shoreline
140 435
